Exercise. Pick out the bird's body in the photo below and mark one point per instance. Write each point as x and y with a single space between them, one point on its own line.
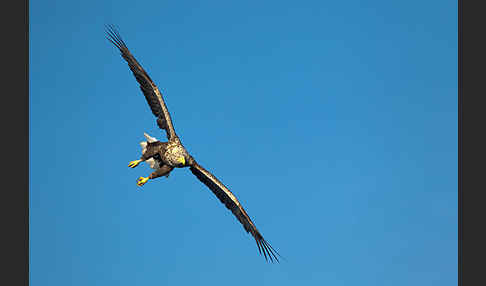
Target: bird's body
174 151
163 157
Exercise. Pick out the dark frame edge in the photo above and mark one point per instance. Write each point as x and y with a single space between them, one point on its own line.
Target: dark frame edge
14 198
27 134
459 143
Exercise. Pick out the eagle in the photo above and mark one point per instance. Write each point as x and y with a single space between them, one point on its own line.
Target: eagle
163 157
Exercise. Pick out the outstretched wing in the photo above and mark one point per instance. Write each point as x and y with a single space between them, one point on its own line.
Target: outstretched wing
230 201
148 87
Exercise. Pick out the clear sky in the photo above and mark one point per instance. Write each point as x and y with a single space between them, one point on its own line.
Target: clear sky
333 122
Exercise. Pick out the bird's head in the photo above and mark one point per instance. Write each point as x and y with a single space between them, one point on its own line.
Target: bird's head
182 160
185 159
178 155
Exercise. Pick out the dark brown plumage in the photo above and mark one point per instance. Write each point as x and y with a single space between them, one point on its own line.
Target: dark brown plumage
232 203
152 94
172 154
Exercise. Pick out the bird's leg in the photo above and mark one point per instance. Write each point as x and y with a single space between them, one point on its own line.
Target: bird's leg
162 171
135 163
149 153
142 180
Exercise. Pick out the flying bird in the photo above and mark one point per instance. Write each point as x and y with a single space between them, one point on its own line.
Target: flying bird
163 157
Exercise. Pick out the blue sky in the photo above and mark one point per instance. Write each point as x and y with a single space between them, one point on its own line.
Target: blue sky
364 91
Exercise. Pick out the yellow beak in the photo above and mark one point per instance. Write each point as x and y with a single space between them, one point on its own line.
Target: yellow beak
182 160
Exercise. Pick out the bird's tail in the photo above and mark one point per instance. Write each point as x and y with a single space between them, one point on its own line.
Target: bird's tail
144 144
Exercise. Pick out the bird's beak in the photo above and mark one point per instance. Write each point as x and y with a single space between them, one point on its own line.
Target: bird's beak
182 160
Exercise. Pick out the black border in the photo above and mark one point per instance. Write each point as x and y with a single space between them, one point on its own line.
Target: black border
14 194
459 140
472 142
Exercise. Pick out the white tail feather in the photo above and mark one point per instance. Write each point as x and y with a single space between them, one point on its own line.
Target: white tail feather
153 164
149 138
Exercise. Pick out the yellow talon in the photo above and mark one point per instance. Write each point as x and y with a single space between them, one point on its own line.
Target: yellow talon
141 181
182 160
134 164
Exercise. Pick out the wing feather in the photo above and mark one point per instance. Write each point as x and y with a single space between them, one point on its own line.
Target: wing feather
147 86
232 203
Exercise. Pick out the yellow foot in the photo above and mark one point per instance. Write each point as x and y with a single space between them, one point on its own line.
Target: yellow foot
141 181
134 164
